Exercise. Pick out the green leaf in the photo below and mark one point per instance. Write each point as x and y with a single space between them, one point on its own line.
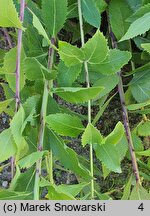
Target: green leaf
138 106
71 55
5 104
55 194
144 129
37 24
72 190
66 156
139 13
7 145
67 75
65 124
91 135
135 4
106 171
139 193
32 42
138 27
114 61
109 156
144 153
137 142
122 147
16 125
140 84
8 15
23 182
78 95
101 5
11 195
91 13
127 189
10 68
99 50
31 159
115 136
54 15
119 11
146 47
34 70
112 80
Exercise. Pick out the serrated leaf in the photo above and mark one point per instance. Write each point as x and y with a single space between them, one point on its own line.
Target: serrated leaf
8 14
32 42
139 13
140 84
5 104
35 70
55 194
31 159
119 11
78 95
135 4
139 193
67 75
31 103
16 125
114 61
67 156
138 27
11 195
54 15
23 182
144 153
7 145
37 24
71 55
109 156
10 68
115 136
91 135
73 190
122 147
99 49
126 191
146 47
65 124
91 13
137 142
112 80
144 129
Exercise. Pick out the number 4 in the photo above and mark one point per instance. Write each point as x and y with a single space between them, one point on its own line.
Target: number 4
141 207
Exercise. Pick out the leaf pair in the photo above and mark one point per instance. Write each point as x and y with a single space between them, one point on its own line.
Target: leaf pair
96 53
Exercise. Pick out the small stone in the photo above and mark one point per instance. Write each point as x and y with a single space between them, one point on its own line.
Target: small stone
5 184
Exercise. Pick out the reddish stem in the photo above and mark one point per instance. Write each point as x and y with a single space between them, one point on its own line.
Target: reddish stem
22 7
18 60
125 116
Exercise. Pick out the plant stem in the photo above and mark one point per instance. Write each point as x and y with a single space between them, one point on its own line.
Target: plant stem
125 116
89 102
18 60
47 86
22 7
7 38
